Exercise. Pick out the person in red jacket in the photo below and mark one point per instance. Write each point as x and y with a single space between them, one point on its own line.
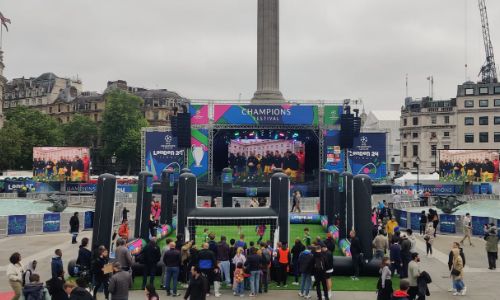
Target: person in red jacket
123 231
283 257
402 293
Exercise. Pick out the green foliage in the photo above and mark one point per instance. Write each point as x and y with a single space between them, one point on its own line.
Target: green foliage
10 145
29 128
121 127
80 132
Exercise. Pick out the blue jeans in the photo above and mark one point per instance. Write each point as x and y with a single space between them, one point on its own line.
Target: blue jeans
254 281
458 284
305 284
172 273
240 288
225 267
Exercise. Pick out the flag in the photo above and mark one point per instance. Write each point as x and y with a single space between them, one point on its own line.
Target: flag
4 21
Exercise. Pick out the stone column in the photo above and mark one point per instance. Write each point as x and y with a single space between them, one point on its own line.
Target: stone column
268 53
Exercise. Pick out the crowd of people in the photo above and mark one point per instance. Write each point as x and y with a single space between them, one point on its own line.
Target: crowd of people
473 170
62 169
257 165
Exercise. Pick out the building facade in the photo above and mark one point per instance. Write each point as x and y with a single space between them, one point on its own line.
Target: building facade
427 125
3 82
478 116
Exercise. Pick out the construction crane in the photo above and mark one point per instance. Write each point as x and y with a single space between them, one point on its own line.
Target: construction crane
488 70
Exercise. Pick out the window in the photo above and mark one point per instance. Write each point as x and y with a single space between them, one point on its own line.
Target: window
496 137
95 117
415 165
433 119
414 135
446 119
469 121
483 137
433 150
433 135
405 151
155 115
469 91
496 120
50 109
497 102
446 134
404 165
404 135
483 120
483 90
469 138
67 119
415 150
497 90
483 103
446 147
95 106
469 103
405 122
415 121
433 164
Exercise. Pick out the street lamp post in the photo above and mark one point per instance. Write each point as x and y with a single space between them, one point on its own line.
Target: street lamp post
418 161
113 162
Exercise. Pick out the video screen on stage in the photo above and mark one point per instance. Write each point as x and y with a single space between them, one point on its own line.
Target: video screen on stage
61 163
255 159
469 165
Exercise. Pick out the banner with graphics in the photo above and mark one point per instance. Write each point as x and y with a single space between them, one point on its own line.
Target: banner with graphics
415 221
17 224
478 225
331 114
199 114
437 189
88 221
367 156
198 154
266 114
51 222
447 223
162 153
61 163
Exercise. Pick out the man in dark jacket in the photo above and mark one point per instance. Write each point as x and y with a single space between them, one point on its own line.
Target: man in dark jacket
330 242
206 262
422 281
74 224
297 248
119 283
306 264
198 285
355 254
223 259
172 260
84 258
55 287
319 272
328 266
57 263
80 291
405 254
151 255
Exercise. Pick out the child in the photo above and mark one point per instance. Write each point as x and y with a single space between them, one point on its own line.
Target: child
238 280
217 281
307 237
205 235
261 230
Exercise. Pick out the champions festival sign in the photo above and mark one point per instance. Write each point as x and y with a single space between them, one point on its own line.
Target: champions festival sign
266 114
367 156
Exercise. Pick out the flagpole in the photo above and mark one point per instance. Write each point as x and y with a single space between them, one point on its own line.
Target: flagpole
1 37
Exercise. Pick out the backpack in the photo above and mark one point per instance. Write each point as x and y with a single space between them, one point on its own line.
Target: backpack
34 295
24 276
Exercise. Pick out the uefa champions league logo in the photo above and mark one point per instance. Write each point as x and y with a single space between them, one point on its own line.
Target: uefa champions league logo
364 140
168 139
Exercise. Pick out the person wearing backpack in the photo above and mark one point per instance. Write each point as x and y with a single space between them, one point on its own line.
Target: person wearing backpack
319 273
34 289
30 271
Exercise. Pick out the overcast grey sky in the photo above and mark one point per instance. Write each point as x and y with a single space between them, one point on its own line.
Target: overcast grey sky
330 49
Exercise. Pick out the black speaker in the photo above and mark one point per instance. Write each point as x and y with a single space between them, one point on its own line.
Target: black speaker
346 131
184 130
173 125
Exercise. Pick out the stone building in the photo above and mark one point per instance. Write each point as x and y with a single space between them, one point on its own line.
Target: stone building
427 125
478 116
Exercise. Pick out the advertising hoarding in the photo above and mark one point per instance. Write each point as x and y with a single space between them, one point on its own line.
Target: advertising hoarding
266 114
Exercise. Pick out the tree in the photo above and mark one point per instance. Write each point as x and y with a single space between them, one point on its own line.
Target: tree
80 132
10 145
35 130
121 127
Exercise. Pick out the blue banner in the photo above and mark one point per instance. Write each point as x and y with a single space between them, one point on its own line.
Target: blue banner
12 186
88 220
439 189
397 214
447 223
368 155
266 114
415 221
305 219
162 153
51 222
17 224
478 225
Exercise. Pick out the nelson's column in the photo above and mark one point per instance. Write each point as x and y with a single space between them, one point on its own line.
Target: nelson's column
268 91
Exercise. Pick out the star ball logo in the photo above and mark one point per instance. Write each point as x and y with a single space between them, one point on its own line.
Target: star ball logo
364 140
168 139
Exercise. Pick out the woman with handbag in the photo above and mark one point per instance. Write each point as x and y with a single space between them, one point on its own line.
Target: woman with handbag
457 273
429 237
384 284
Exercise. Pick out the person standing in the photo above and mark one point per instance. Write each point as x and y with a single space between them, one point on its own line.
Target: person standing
467 223
380 244
396 262
57 263
319 273
101 278
328 256
429 238
151 293
206 263
450 262
123 230
296 250
122 255
152 255
457 273
390 228
355 254
413 273
306 264
56 287
119 283
266 258
172 260
385 283
423 222
74 224
34 289
31 270
198 285
80 292
405 254
15 274
223 259
492 248
125 212
84 258
283 257
253 266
